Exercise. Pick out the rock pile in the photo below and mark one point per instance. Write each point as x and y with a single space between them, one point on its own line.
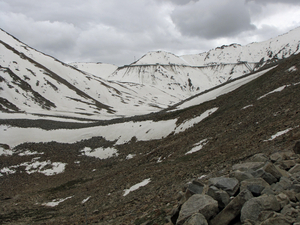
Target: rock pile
264 190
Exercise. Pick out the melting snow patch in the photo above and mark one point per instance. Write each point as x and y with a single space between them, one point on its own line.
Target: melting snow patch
137 186
6 152
276 90
130 156
7 171
159 160
292 69
56 202
190 123
247 106
101 153
198 146
36 166
27 152
279 134
85 200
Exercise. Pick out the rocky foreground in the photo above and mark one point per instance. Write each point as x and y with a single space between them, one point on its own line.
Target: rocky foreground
263 190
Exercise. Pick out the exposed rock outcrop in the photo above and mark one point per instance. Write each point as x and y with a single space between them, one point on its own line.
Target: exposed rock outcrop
264 190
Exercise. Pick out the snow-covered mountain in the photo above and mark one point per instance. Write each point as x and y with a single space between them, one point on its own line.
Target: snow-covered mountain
33 82
186 75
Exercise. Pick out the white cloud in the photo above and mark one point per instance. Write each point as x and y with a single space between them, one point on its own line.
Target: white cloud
117 31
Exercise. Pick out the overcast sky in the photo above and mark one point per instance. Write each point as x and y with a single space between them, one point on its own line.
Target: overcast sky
119 31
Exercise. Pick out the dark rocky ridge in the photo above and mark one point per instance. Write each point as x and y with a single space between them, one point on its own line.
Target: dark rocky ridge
234 135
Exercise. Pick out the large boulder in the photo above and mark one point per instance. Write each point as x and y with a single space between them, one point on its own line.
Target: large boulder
254 185
260 157
241 175
269 178
254 206
219 195
248 166
194 188
230 185
271 169
233 209
198 203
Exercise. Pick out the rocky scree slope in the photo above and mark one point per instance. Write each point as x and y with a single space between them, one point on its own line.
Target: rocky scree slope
261 116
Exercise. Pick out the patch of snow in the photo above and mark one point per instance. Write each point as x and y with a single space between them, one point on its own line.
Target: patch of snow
56 202
159 160
293 69
201 177
27 152
85 200
7 171
271 92
198 146
36 166
101 153
130 156
190 123
247 106
279 134
137 186
6 152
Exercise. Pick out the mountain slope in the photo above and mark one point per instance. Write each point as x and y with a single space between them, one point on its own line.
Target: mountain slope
36 83
94 179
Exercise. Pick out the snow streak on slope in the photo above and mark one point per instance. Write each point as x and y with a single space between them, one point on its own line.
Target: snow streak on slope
197 100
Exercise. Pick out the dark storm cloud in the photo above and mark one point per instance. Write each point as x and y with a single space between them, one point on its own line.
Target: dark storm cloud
213 19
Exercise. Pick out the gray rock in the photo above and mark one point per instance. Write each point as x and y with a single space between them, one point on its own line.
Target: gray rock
233 209
291 195
296 188
197 203
296 178
278 219
269 178
284 173
271 169
196 219
248 166
219 195
254 206
283 199
283 184
290 211
230 185
241 175
279 156
260 157
296 147
286 164
295 169
268 191
254 185
194 188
